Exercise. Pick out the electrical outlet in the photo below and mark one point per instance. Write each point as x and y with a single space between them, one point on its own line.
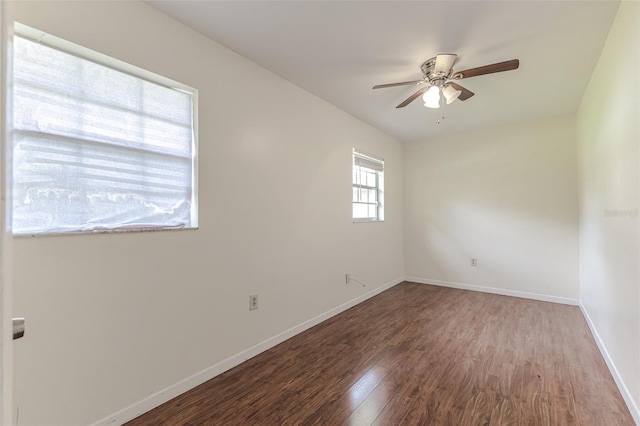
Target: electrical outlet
347 279
253 302
474 261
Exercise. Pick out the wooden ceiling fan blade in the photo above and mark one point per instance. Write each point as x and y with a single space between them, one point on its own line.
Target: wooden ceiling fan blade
413 97
444 62
488 69
466 93
403 83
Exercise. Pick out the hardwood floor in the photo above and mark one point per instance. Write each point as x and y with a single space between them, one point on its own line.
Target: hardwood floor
418 355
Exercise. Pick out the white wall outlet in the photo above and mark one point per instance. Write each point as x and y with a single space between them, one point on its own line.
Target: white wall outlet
253 302
474 261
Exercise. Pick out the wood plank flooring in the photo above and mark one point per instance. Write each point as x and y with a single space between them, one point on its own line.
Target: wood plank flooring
418 355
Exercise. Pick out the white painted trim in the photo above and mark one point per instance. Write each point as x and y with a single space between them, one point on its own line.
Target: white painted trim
494 290
628 399
182 386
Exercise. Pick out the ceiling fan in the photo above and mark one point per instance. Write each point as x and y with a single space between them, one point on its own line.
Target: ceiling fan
439 78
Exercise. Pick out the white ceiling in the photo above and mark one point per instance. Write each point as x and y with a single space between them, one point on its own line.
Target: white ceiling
338 50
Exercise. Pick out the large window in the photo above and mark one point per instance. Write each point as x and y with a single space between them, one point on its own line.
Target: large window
96 148
368 187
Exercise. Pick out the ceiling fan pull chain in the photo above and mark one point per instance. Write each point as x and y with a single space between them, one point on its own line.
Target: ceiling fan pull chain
444 105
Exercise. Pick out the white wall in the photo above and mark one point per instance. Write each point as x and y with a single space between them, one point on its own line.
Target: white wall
506 196
6 240
114 318
608 151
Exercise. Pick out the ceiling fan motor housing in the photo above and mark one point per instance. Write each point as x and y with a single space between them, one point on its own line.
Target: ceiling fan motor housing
436 78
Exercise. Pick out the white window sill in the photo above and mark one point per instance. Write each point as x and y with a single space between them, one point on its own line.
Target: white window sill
104 231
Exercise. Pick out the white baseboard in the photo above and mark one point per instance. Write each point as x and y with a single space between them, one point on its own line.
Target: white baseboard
181 387
493 290
628 399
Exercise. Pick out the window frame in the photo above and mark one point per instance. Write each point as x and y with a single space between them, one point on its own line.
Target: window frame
87 54
379 184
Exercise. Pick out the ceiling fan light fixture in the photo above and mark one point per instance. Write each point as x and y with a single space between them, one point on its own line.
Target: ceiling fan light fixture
432 97
451 94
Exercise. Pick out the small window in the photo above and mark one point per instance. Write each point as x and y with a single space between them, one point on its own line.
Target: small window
368 187
96 148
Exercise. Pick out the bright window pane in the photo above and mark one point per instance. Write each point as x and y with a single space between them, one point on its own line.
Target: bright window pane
371 179
363 195
359 211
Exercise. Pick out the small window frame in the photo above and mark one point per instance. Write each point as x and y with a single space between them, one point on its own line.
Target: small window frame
365 164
